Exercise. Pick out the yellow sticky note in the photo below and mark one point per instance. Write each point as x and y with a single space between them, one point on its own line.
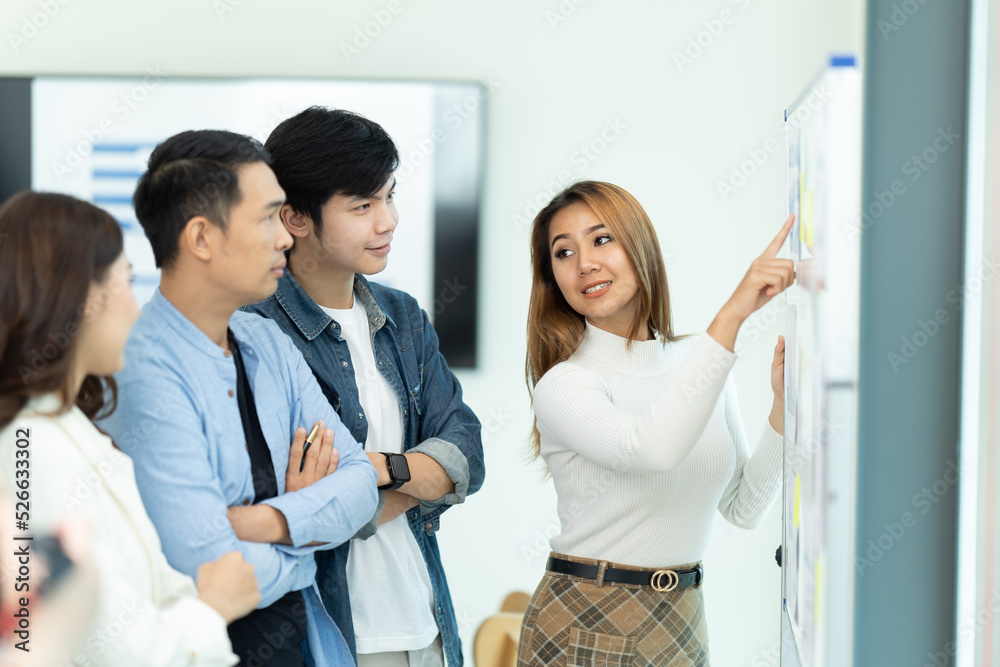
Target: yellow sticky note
818 611
809 219
803 211
795 511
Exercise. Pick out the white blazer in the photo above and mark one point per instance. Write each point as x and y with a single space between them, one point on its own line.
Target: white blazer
147 612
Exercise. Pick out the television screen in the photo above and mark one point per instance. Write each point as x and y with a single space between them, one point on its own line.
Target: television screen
91 137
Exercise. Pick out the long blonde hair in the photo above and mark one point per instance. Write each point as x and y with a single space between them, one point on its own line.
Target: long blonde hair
554 328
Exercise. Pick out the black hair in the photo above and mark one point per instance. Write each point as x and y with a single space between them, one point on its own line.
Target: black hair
321 152
192 173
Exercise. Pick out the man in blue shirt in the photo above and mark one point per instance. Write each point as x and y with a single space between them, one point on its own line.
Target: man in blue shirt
376 357
210 399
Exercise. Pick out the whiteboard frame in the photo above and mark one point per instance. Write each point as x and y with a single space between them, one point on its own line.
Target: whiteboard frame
971 435
834 633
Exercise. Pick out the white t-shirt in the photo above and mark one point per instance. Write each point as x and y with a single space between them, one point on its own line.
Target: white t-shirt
391 596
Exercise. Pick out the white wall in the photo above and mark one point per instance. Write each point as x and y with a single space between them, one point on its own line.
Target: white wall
556 85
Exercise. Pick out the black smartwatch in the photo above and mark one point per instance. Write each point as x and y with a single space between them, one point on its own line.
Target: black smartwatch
399 471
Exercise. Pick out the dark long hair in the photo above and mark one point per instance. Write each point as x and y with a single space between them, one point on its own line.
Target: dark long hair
53 247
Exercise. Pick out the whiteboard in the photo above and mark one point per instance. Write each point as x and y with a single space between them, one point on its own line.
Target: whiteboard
823 137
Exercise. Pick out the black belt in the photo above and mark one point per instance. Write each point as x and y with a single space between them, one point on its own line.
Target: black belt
658 580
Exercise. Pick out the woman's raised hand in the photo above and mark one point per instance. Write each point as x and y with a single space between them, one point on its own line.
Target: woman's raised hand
766 278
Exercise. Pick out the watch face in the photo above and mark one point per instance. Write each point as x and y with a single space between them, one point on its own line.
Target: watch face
399 469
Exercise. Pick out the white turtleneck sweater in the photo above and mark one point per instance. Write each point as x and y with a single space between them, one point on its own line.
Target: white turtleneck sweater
644 444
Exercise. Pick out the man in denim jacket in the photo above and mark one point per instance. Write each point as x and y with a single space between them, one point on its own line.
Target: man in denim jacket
376 357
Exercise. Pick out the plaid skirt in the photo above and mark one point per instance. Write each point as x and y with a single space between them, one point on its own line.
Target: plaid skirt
572 622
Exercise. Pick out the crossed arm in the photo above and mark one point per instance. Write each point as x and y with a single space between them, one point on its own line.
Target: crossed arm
445 466
428 481
182 480
263 523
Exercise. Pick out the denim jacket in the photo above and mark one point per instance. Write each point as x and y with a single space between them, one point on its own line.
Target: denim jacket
436 421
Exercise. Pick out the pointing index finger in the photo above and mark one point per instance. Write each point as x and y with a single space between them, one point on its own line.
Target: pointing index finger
779 240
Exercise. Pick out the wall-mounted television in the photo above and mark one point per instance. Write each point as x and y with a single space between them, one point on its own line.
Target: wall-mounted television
91 137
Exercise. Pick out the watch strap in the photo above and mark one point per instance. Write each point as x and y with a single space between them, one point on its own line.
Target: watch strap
394 483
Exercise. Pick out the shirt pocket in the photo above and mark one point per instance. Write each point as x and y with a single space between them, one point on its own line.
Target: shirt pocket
229 458
596 649
415 398
279 445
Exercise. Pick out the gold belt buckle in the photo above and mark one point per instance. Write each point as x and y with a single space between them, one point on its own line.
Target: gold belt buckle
664 580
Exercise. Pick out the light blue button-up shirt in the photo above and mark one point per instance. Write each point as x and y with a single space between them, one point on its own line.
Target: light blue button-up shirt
179 420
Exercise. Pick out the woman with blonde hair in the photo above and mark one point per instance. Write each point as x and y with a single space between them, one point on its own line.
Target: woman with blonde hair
641 432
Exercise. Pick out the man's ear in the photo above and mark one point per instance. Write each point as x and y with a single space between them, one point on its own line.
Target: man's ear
198 237
298 224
